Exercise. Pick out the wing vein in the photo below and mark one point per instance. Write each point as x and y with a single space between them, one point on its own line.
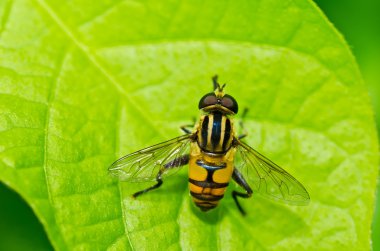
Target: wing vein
267 178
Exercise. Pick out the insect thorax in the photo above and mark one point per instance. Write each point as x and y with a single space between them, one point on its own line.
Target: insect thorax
215 133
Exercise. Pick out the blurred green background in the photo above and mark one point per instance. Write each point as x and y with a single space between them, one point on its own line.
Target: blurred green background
358 21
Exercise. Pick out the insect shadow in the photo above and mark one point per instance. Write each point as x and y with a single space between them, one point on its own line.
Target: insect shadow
211 217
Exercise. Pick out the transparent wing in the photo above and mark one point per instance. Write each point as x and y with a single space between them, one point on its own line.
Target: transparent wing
144 164
267 178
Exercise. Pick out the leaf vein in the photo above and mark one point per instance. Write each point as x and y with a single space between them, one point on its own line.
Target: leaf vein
94 60
51 97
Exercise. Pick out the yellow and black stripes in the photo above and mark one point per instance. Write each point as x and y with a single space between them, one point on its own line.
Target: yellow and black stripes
215 133
207 195
211 160
207 192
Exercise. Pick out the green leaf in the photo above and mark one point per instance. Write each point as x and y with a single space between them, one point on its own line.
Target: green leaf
83 83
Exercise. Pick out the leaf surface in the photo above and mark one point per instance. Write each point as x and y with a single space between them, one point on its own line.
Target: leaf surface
83 83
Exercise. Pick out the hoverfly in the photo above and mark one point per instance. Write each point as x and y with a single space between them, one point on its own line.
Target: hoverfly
215 155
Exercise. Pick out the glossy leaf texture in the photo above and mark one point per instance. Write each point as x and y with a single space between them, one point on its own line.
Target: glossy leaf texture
83 83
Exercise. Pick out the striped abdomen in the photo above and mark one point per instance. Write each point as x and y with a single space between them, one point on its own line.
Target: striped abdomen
215 133
209 177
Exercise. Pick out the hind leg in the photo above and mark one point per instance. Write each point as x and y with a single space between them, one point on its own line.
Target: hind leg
238 178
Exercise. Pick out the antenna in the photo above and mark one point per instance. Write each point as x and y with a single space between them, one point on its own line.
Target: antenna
216 84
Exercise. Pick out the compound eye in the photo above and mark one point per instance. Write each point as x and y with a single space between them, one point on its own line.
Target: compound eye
207 100
210 100
230 103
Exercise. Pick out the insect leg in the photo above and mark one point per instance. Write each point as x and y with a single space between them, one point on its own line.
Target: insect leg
157 185
245 111
185 127
238 178
177 162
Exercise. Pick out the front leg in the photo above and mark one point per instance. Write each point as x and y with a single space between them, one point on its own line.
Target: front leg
185 127
241 124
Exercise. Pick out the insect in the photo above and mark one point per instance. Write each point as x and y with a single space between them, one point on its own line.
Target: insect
215 155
